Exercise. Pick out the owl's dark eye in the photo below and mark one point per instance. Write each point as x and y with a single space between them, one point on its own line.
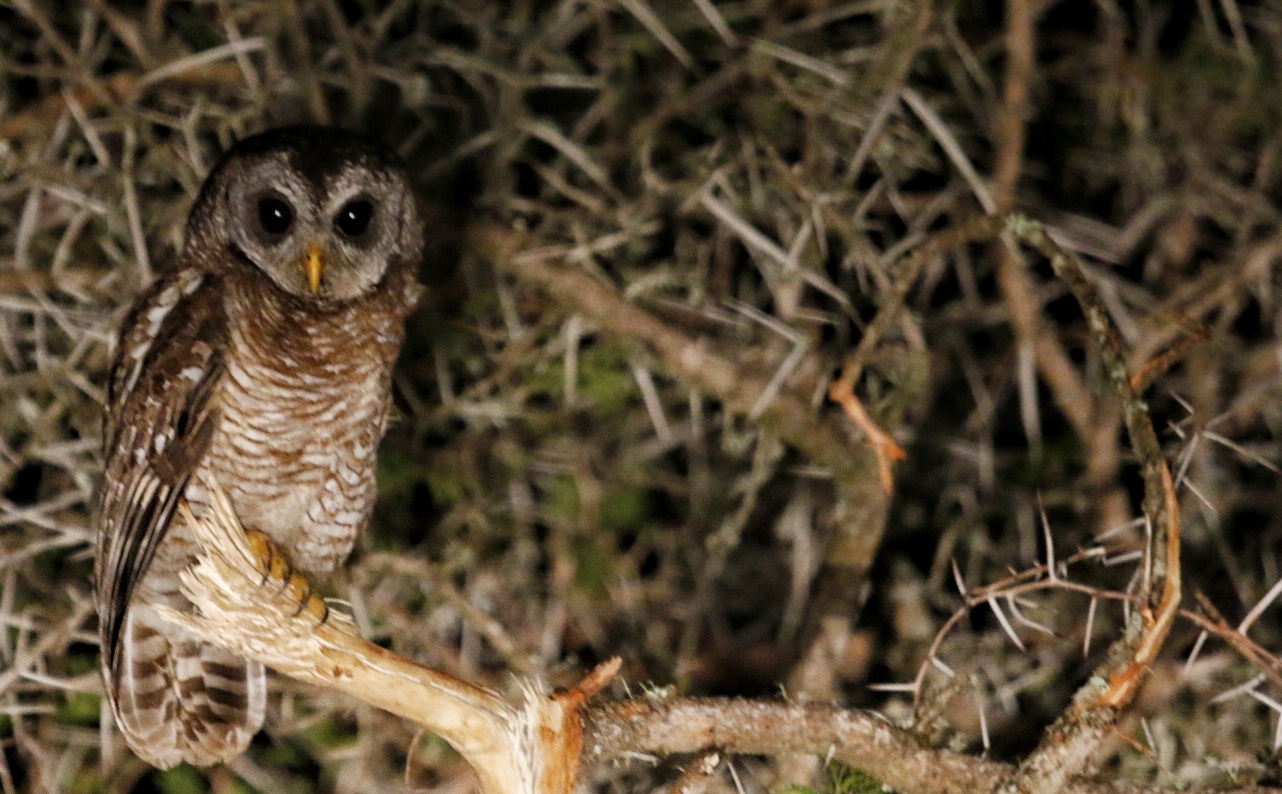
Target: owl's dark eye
353 219
275 215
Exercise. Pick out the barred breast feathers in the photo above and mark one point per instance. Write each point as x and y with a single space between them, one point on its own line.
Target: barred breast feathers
303 407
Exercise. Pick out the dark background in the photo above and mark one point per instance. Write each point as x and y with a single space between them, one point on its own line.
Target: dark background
563 478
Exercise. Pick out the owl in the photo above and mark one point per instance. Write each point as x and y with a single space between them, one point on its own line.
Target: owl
261 363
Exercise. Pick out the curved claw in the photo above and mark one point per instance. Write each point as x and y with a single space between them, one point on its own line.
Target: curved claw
301 590
271 562
264 552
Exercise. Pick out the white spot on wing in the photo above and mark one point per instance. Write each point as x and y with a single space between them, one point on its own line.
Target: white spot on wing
157 313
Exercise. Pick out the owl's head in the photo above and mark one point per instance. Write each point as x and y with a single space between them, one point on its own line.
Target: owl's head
323 213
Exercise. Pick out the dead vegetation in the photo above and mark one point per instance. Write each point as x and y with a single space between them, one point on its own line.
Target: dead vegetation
664 233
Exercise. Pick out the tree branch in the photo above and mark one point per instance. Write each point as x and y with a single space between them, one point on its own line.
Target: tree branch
1071 742
536 745
859 739
528 747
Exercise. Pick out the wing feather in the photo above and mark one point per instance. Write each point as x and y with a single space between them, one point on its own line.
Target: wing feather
161 415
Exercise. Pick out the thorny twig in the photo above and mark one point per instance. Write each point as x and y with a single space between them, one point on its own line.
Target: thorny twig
1080 730
1070 743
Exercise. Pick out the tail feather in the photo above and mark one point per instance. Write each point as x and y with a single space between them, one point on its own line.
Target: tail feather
177 699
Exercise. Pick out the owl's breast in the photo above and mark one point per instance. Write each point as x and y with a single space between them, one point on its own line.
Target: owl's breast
295 450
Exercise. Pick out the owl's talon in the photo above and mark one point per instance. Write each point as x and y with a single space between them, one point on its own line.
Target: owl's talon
301 590
273 565
270 561
279 568
317 607
263 550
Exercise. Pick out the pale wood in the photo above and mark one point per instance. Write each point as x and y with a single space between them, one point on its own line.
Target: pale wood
530 746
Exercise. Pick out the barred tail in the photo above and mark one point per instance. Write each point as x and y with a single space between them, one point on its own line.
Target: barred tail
177 699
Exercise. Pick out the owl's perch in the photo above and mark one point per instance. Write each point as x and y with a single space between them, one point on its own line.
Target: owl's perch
529 747
534 746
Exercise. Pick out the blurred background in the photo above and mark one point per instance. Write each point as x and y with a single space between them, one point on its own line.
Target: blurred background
749 176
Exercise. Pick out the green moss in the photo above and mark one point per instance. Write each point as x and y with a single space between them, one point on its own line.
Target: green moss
398 472
326 734
182 779
841 779
447 484
624 507
80 708
561 497
88 780
547 380
591 566
605 376
282 755
238 786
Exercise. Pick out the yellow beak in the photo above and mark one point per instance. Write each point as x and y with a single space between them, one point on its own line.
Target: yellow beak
313 265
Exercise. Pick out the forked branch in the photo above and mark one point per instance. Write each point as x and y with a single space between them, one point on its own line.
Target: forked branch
535 745
527 747
1070 744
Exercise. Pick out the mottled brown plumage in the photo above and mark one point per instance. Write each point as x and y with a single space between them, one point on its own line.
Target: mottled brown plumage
261 362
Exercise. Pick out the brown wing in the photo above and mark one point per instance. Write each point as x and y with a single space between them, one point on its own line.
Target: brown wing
160 419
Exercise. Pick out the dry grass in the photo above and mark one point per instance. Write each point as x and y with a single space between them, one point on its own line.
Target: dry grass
750 174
